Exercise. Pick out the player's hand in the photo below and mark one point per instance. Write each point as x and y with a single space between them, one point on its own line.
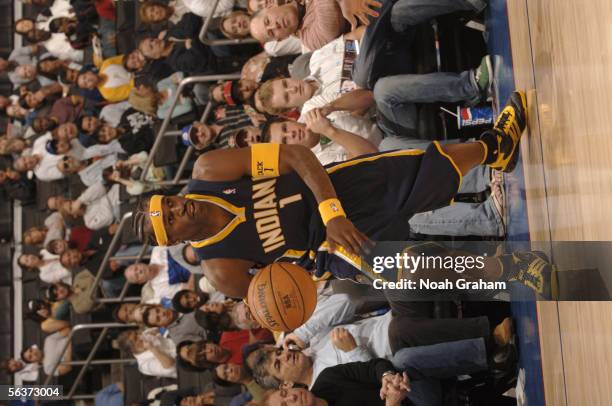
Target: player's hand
340 231
292 338
354 10
317 122
343 339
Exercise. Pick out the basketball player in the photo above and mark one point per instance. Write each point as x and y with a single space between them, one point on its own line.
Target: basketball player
252 206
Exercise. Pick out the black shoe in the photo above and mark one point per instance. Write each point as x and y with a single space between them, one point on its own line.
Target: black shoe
536 271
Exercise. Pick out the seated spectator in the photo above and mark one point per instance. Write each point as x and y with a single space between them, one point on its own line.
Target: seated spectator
130 313
233 92
48 266
57 44
162 277
180 327
78 31
218 134
79 294
98 207
190 57
112 81
49 357
134 132
159 101
410 375
18 187
315 24
186 301
52 67
154 353
41 161
207 354
52 317
235 25
238 374
89 168
127 173
238 314
20 370
156 12
65 110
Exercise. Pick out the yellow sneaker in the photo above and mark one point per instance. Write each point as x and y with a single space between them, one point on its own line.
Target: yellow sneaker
508 129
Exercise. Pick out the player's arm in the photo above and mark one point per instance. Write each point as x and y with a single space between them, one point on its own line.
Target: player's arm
229 276
268 160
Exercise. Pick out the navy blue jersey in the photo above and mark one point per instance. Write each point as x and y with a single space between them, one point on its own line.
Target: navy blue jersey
278 219
273 218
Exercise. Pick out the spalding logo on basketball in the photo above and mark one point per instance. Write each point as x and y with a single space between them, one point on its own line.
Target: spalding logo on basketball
282 296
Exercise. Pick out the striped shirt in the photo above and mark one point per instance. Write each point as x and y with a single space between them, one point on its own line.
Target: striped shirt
235 119
322 23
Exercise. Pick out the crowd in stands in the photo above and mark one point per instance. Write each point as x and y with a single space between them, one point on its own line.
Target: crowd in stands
86 109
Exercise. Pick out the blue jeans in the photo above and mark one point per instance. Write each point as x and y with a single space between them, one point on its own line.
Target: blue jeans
426 365
412 12
459 219
396 96
392 29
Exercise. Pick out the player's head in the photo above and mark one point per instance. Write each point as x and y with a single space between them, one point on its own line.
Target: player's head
279 130
169 220
278 96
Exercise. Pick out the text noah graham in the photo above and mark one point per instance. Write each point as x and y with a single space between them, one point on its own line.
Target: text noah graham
446 284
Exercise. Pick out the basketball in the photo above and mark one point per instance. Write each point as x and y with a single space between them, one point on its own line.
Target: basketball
282 296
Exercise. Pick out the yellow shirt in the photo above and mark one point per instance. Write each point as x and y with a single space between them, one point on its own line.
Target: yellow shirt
117 82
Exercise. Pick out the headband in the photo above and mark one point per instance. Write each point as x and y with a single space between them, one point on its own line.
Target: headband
157 219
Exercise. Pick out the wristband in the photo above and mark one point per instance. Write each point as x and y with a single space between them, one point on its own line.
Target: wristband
329 209
264 160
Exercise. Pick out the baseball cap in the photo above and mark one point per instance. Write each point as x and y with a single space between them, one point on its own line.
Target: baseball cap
187 134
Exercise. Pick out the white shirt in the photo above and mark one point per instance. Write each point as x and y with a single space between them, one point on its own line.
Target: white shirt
289 46
160 287
59 46
46 170
331 310
92 174
53 347
371 335
28 373
111 113
203 8
102 207
55 227
53 272
148 364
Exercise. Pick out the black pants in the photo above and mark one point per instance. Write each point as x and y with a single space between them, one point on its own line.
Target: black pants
413 325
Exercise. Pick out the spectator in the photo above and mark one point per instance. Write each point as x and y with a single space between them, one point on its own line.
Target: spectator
112 81
111 395
162 277
186 301
52 317
49 357
20 370
49 268
180 327
79 294
154 354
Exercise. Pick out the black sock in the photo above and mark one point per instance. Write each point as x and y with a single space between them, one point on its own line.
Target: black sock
489 138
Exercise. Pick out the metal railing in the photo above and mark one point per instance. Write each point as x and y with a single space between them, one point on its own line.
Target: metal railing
212 42
166 123
80 327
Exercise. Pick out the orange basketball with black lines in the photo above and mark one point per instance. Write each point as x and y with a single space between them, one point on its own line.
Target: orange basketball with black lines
282 296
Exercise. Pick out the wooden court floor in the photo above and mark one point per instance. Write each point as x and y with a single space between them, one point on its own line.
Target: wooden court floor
562 57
